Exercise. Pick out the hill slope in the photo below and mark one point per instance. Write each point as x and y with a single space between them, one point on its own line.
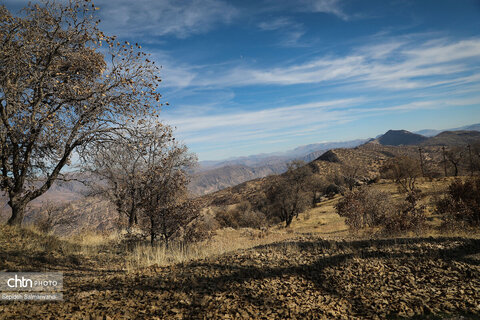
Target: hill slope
400 138
453 138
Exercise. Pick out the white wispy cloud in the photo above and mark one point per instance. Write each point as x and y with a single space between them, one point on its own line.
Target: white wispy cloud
267 118
391 65
288 29
325 6
228 129
164 17
275 24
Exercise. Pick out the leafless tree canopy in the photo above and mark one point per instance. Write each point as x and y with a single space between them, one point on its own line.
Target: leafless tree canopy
404 171
123 162
288 194
455 156
60 90
165 205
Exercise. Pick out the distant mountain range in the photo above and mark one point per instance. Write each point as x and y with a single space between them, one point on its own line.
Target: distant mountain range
212 176
445 138
306 152
434 132
234 172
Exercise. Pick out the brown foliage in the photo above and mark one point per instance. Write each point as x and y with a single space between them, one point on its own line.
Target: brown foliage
288 195
122 163
460 206
402 170
243 216
368 208
58 94
166 209
364 208
407 216
51 216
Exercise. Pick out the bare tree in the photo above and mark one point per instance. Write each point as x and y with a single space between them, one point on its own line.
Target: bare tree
350 174
165 205
475 156
317 185
287 193
403 170
455 157
52 215
121 164
58 93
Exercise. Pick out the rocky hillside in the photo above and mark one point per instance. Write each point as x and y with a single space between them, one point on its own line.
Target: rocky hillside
224 177
212 176
366 160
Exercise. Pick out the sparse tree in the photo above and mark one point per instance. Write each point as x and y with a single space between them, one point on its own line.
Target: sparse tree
404 171
287 193
121 163
51 215
58 93
317 185
350 174
455 157
165 206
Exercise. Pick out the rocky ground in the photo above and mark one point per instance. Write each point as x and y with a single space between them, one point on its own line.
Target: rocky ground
308 278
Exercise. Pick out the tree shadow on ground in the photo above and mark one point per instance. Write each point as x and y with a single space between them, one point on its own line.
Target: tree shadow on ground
229 274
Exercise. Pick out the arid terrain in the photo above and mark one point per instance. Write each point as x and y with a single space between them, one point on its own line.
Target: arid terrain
316 269
218 159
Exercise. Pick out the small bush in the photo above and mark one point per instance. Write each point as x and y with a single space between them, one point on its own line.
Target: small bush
460 206
407 216
367 208
242 216
332 189
199 230
364 208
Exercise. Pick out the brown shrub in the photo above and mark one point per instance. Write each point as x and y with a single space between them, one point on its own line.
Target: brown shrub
364 208
460 206
242 216
407 216
367 208
199 230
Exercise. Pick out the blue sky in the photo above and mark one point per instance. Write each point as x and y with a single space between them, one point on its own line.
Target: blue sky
247 77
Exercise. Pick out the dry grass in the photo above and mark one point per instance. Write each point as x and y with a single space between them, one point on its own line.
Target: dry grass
91 242
224 241
321 221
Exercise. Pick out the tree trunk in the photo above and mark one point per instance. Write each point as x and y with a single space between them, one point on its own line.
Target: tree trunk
166 243
18 212
132 217
288 220
152 231
152 238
